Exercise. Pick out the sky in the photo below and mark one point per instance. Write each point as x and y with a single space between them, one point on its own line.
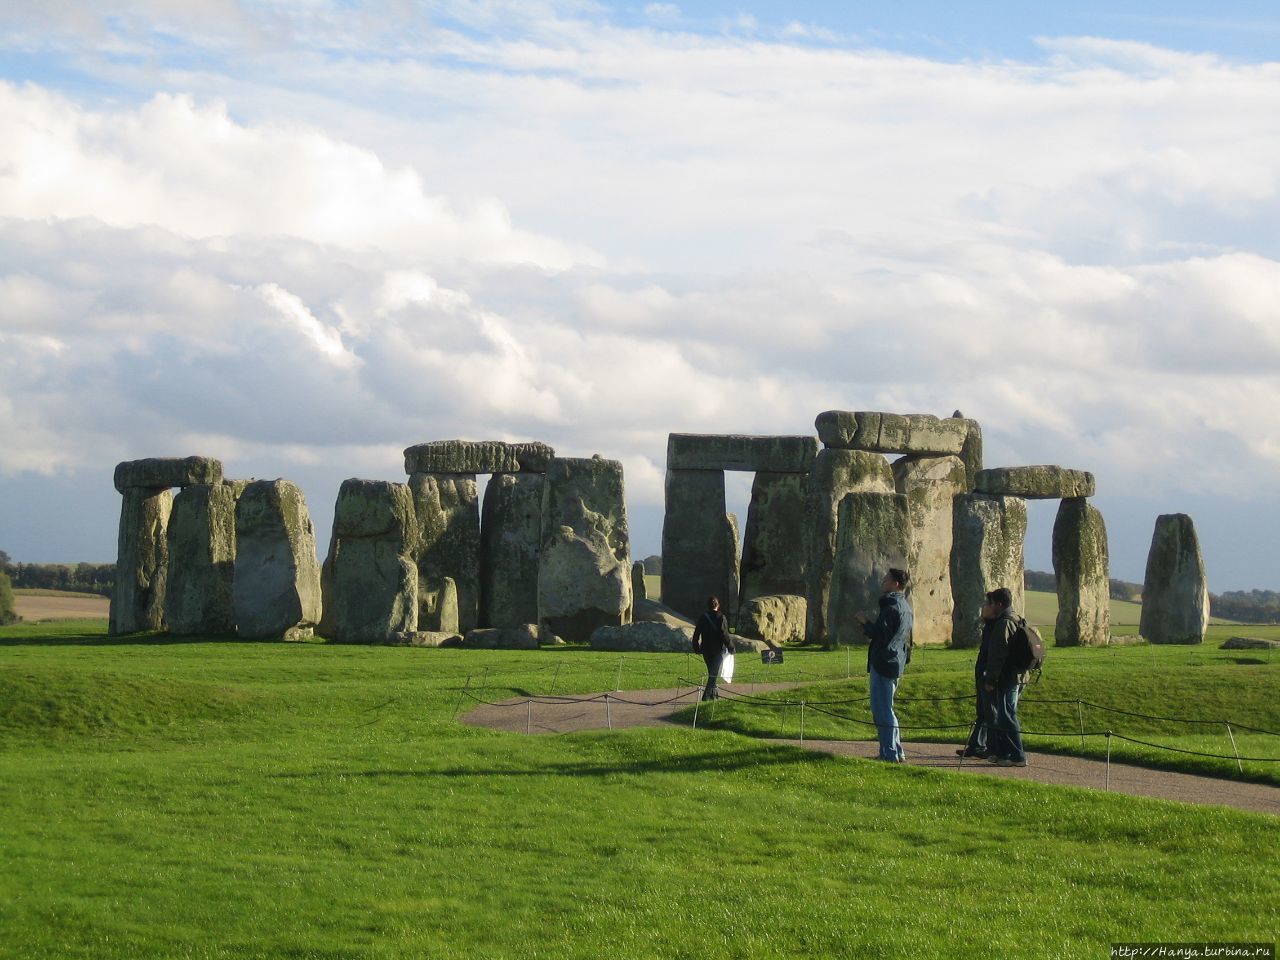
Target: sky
302 235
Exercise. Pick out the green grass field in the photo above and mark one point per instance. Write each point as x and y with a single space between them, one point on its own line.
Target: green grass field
169 798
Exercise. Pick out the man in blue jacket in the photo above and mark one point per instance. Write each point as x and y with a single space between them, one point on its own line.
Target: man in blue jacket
887 658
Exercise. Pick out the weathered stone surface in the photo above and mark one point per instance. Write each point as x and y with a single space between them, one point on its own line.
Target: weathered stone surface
202 557
916 433
773 545
931 485
584 580
1044 482
971 452
369 579
1082 569
510 547
775 619
835 474
276 587
424 638
639 589
1249 643
651 611
698 544
986 554
653 565
732 563
142 561
156 472
875 534
447 509
645 637
1175 593
712 451
438 608
523 637
471 457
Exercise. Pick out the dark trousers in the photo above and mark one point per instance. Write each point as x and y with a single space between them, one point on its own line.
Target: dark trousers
712 659
980 738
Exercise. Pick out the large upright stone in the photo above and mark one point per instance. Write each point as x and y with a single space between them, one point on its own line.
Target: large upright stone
1043 482
835 474
584 579
510 546
773 543
931 485
484 456
369 578
709 451
986 553
875 535
971 452
1080 565
913 433
447 510
155 472
202 557
276 587
1175 593
698 544
142 560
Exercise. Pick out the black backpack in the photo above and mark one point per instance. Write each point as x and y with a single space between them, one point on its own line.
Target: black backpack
1026 649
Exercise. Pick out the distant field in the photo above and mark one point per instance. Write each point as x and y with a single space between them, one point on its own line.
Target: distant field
35 605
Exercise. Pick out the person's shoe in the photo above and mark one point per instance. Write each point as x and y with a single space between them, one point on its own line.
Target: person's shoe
976 754
1009 762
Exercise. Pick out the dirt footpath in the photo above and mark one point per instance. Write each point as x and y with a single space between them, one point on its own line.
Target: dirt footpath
61 608
649 708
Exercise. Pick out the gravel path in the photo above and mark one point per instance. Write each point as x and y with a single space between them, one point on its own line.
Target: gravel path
651 708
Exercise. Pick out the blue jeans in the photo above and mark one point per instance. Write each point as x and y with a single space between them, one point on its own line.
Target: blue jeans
1006 736
882 691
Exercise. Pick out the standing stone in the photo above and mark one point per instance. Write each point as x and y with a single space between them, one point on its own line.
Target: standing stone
773 544
202 557
639 589
875 534
447 510
835 474
276 587
971 452
438 609
1175 593
1080 564
776 620
510 546
584 579
369 578
931 485
142 560
733 562
697 542
986 553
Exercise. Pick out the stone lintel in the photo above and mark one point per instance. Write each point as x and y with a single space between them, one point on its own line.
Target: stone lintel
715 451
163 472
477 456
1044 482
919 433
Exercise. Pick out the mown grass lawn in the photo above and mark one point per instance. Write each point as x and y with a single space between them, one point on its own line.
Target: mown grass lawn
215 799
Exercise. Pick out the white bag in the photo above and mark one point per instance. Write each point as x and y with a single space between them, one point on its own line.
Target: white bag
726 668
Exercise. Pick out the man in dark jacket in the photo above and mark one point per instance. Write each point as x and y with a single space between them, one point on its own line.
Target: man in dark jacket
711 639
996 735
887 658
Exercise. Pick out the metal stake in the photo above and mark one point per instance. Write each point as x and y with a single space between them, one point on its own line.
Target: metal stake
608 712
802 723
458 706
1108 759
1239 765
1080 715
528 717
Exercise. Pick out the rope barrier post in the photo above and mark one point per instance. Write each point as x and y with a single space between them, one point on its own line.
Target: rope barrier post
802 723
1239 765
555 677
458 706
965 752
1108 787
617 684
528 716
696 704
848 662
1080 717
608 712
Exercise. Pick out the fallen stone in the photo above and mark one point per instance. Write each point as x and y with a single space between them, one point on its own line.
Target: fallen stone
1250 643
471 457
1081 567
156 472
835 474
875 535
523 637
698 543
775 619
915 433
986 554
1175 593
1043 482
709 451
142 561
201 558
275 589
510 548
447 510
931 485
773 548
643 638
651 611
424 638
584 579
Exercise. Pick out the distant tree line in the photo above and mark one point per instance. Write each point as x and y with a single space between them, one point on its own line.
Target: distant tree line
7 612
97 578
1247 606
1120 589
